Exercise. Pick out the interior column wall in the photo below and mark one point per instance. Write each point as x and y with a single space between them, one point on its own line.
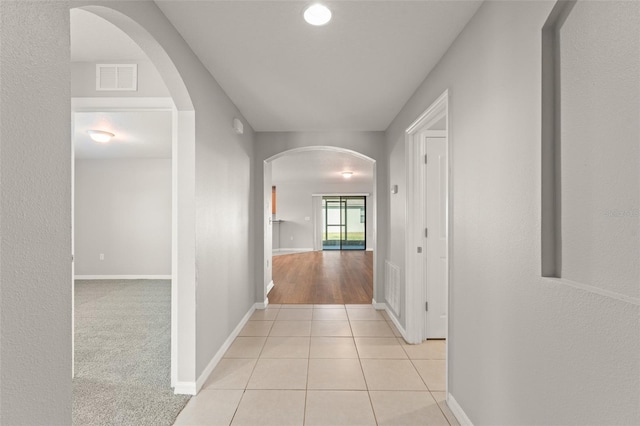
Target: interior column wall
35 211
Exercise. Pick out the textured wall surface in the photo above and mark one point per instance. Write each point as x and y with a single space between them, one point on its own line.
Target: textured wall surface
600 142
523 349
123 210
35 211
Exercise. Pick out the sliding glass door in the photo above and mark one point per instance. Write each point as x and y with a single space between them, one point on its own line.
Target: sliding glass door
344 223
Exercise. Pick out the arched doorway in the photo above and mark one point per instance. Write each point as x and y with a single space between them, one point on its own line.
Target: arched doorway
267 212
182 182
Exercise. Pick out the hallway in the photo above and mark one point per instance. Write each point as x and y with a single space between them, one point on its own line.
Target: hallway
318 277
323 365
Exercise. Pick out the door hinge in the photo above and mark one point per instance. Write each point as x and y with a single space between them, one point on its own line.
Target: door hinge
425 159
426 306
426 232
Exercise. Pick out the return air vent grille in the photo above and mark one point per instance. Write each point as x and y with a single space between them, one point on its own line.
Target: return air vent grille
117 77
392 286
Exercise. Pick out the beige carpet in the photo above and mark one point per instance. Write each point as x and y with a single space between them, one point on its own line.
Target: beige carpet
122 354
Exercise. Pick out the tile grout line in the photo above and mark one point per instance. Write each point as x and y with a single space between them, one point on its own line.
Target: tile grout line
364 377
439 407
306 387
244 391
427 386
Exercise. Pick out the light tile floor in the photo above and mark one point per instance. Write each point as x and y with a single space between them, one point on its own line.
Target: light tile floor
323 365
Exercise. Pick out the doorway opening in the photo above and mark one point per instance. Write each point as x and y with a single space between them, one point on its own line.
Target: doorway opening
323 220
344 223
429 231
174 108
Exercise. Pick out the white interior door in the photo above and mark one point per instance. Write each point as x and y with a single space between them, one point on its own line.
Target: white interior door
436 237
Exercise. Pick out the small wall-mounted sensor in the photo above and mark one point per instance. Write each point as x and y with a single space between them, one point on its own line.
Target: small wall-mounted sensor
394 189
238 127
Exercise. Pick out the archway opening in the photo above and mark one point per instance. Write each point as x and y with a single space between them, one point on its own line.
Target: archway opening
313 187
160 97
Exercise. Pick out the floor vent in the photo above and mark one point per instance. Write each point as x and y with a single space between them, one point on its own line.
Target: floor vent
117 77
392 286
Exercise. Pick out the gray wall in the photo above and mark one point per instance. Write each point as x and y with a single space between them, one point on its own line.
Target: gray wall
295 203
36 203
123 210
523 349
600 149
35 207
268 144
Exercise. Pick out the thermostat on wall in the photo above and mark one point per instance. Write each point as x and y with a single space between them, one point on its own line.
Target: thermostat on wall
238 127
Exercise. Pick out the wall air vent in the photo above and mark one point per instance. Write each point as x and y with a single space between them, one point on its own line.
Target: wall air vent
117 77
392 286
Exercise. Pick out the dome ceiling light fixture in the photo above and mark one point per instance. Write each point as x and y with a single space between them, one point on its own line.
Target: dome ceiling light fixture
317 14
100 135
347 175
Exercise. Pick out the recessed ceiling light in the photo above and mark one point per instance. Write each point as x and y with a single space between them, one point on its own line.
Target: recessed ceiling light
100 135
317 14
347 175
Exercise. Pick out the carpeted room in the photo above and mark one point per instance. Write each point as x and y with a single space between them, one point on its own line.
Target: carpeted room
122 353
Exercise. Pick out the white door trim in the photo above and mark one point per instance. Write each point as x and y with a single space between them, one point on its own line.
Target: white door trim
415 291
115 104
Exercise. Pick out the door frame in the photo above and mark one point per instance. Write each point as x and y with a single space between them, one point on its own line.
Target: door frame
130 104
183 262
415 288
346 222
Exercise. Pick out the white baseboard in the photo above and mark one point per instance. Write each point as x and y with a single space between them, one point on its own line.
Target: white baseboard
457 411
262 305
394 320
292 249
195 387
122 277
270 286
378 306
185 388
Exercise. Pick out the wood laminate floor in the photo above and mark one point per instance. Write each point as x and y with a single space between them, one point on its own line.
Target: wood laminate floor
323 277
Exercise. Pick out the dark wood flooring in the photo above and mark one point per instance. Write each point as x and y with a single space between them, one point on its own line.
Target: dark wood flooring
323 277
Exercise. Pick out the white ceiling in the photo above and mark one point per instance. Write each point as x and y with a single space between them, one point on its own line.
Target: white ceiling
325 166
355 73
139 134
284 75
94 39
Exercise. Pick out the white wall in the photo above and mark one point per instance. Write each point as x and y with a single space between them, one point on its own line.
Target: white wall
268 144
123 210
523 349
35 207
294 202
